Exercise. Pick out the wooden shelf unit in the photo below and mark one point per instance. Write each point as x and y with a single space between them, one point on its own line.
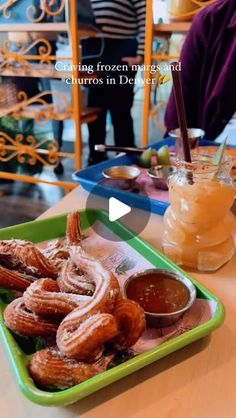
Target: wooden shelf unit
50 72
83 31
75 112
170 27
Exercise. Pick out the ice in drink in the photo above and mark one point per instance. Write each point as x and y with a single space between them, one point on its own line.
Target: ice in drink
199 223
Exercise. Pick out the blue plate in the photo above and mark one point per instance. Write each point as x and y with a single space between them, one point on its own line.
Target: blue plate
90 177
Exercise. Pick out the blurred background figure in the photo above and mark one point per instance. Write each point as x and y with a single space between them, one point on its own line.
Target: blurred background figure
122 25
208 71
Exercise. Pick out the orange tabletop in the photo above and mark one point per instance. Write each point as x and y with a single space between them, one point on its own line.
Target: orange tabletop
197 381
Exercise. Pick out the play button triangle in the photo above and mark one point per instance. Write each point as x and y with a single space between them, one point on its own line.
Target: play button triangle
117 209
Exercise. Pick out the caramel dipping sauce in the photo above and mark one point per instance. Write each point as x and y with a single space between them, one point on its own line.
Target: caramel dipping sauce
158 294
121 172
164 295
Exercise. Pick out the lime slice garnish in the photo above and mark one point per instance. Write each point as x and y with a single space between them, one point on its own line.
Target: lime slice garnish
145 158
216 160
163 155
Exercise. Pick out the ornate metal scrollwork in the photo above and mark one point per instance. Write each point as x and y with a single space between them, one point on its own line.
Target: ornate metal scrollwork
39 108
45 151
20 60
4 8
28 57
33 13
47 7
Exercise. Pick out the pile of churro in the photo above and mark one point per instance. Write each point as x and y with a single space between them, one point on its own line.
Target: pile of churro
68 296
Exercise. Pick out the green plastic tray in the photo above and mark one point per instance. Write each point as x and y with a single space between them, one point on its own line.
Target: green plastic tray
38 231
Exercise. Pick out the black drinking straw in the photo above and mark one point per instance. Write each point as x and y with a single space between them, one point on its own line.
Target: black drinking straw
179 100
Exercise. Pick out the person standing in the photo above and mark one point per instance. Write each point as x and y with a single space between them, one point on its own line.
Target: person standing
208 68
122 24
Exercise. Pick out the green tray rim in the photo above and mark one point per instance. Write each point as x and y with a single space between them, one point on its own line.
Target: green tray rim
19 360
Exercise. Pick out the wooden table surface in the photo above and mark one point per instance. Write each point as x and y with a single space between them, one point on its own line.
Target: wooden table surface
198 381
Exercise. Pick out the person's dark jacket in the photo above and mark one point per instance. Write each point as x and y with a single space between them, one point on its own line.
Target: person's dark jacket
208 62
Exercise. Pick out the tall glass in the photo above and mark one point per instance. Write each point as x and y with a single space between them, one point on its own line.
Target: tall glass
199 223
